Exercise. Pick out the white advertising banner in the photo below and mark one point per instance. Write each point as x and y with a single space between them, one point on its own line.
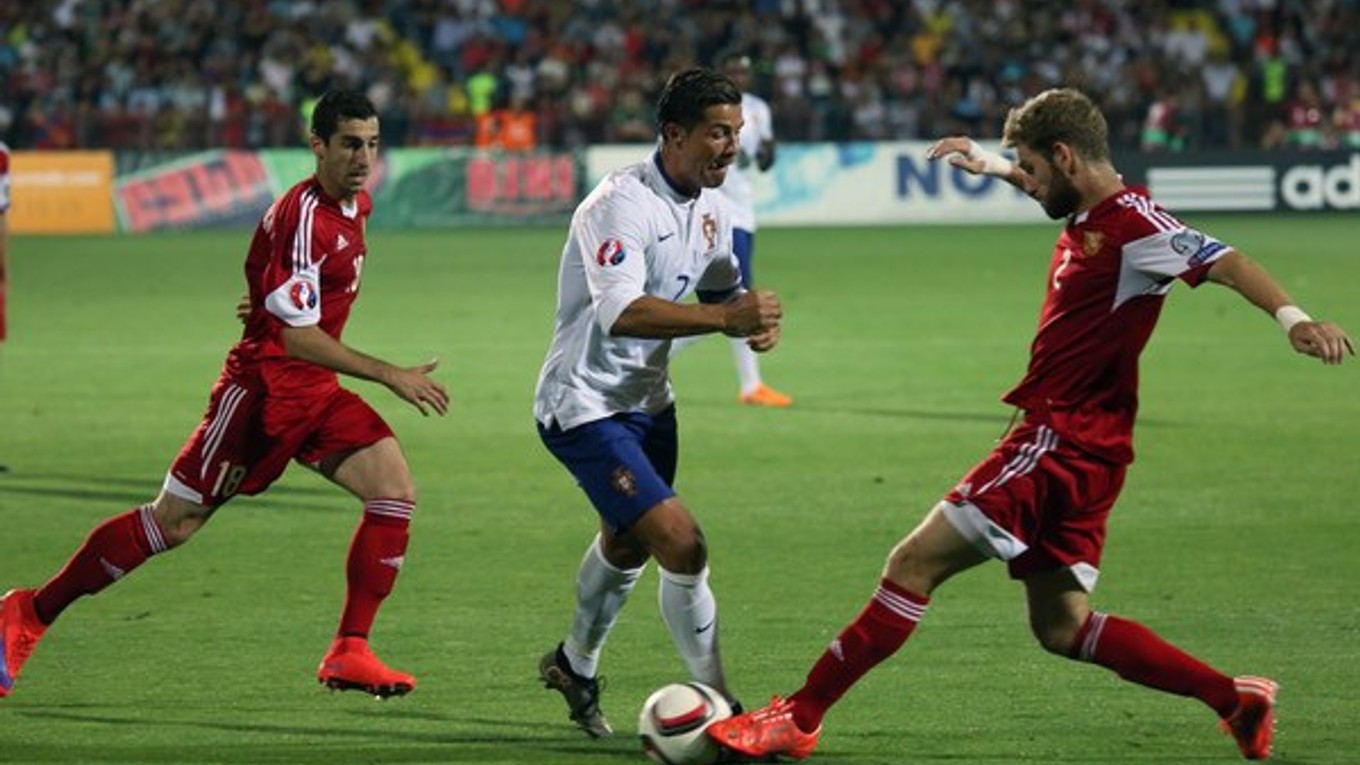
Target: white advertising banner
862 184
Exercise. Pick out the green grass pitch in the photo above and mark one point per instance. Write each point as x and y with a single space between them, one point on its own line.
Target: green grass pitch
1235 537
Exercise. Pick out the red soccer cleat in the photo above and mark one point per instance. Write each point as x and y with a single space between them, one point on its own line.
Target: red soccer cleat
1253 724
765 732
764 395
351 666
20 631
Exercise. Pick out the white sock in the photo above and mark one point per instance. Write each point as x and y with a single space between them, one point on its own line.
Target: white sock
748 367
691 613
601 591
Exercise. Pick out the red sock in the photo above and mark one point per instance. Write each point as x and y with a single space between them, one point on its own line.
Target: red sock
1138 655
879 630
113 549
375 558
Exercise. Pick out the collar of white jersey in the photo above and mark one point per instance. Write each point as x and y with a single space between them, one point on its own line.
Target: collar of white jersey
677 194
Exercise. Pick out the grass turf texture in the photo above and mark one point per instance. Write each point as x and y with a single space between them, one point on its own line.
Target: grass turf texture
1234 537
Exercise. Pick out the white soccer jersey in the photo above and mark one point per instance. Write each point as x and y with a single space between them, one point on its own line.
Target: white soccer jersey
739 188
634 235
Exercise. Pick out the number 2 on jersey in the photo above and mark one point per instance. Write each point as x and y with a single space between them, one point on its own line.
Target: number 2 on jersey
1066 261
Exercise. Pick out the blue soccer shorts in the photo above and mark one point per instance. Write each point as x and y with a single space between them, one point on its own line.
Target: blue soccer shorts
624 463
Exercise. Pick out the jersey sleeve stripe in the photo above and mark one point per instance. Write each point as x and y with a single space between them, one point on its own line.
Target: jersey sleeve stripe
302 235
1160 219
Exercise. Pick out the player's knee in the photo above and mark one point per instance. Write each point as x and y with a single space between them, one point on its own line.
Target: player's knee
178 520
910 566
1056 634
684 552
404 491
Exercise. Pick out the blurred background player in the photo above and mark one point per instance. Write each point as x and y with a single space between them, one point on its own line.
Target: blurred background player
4 241
648 236
1041 499
757 154
4 233
279 399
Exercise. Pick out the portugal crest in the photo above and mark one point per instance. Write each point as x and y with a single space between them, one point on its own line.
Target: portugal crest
625 482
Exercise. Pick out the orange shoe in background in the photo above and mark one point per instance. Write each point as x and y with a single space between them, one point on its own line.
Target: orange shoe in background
764 395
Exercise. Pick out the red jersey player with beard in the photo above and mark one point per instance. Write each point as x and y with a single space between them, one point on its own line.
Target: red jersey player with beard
279 400
1040 500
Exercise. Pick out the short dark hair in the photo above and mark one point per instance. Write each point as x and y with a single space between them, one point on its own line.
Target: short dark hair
688 95
337 105
1059 115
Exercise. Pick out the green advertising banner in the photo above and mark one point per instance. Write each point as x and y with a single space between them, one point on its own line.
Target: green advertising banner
411 188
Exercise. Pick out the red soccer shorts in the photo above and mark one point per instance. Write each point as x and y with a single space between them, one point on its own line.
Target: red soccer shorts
247 439
1038 503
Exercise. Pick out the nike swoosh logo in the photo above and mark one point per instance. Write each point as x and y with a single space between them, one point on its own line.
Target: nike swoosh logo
706 627
664 237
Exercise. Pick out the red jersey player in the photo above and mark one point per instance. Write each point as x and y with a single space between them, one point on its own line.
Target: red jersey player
1040 500
279 399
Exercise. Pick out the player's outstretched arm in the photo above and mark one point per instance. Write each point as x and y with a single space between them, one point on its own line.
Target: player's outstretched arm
410 384
1319 339
747 315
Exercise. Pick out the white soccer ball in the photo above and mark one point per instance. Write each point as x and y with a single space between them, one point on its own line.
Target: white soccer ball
673 722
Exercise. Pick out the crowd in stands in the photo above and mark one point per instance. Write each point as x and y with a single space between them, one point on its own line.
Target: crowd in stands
522 74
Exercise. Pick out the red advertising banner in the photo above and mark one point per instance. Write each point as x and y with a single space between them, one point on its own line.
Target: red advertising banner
221 188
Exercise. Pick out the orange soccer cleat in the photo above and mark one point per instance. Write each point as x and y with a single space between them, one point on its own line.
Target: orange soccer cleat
765 732
350 666
20 631
1253 724
764 395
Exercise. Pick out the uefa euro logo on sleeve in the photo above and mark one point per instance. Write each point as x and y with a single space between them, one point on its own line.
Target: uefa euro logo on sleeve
303 295
611 253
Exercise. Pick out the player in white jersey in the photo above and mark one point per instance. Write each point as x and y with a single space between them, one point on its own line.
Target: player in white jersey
4 233
756 154
649 235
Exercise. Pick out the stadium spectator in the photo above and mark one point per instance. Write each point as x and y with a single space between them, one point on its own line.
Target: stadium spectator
650 235
279 399
1306 126
513 127
1040 500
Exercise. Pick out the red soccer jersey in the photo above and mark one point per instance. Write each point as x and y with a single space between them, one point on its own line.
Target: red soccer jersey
303 269
4 177
1111 271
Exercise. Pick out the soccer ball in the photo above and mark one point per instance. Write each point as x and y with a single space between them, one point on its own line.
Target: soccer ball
673 722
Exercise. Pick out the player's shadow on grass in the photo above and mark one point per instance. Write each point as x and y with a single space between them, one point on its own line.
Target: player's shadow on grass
1001 419
499 741
129 491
